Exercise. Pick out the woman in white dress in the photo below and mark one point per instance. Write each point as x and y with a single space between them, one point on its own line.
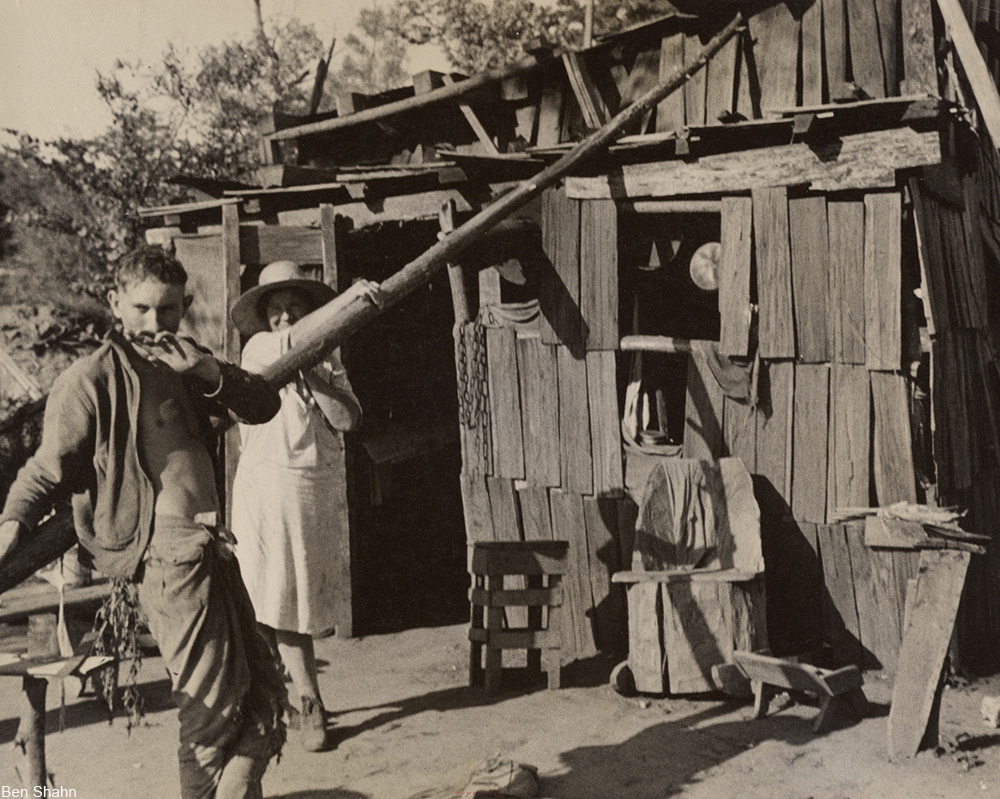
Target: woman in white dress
283 505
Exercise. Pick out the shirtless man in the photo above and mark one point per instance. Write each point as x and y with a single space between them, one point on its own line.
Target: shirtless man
127 433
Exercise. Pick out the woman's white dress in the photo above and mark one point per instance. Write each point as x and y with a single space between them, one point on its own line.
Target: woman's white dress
287 495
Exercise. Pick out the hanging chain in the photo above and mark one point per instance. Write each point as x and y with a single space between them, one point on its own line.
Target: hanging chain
473 387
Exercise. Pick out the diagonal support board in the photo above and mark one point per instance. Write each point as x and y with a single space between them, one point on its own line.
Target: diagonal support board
931 619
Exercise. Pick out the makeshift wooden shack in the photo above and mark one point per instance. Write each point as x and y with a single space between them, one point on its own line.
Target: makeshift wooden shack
831 175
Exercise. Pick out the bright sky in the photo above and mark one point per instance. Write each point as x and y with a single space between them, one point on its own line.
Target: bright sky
50 50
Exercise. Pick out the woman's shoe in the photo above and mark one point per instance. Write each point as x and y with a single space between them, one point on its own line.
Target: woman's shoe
312 726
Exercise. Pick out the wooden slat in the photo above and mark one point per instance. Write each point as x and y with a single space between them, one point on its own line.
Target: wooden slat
747 82
883 281
850 438
568 524
933 279
696 634
536 363
840 613
550 110
720 93
489 287
866 47
847 280
695 88
232 258
476 509
734 275
605 423
856 161
559 295
975 269
810 251
888 31
774 273
739 423
926 638
645 638
878 626
774 428
703 411
535 517
599 273
505 510
670 111
892 464
595 112
601 518
504 403
809 461
328 232
835 41
643 77
576 463
776 30
262 244
951 414
812 54
917 41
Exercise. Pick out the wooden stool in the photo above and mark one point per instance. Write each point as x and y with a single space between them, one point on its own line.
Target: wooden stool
542 563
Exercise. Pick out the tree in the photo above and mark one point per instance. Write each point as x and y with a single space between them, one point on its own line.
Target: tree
375 57
477 35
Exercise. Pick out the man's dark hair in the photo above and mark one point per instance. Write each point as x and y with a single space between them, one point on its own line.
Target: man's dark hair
149 261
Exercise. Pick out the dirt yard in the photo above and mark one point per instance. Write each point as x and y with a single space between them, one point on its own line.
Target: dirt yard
407 727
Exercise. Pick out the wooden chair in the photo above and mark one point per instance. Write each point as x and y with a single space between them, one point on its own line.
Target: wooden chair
696 588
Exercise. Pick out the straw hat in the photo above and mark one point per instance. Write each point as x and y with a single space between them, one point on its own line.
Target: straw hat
248 313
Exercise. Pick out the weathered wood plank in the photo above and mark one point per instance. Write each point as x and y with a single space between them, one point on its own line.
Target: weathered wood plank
892 464
720 93
850 414
883 281
645 640
262 244
866 47
504 403
774 421
835 41
595 112
810 250
847 280
535 516
934 283
328 232
605 423
599 273
874 592
696 634
809 461
774 273
536 365
601 518
670 111
888 33
776 30
856 161
739 427
930 622
703 411
550 110
734 275
576 463
476 508
559 293
840 613
568 524
812 54
504 506
917 40
695 90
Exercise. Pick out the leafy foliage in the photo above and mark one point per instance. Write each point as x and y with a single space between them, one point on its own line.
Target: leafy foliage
477 35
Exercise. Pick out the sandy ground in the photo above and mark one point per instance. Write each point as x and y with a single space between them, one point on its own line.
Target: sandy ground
406 726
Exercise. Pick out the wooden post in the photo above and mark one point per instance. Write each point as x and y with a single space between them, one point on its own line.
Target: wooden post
31 733
230 335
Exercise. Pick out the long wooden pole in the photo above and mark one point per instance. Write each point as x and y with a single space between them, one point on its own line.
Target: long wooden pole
326 328
322 330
